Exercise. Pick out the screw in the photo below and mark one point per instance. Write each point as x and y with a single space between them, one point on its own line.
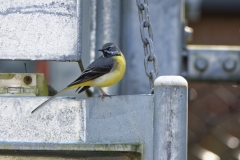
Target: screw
201 64
229 65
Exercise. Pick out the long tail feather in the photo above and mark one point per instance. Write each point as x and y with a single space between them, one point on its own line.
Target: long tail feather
61 92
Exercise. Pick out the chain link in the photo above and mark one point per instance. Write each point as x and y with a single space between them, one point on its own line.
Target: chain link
145 24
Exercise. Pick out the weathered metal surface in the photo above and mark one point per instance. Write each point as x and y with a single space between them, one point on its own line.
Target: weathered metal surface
115 120
40 30
170 118
66 123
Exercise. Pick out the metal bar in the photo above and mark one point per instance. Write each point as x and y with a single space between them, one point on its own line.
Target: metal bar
213 63
170 118
69 146
108 30
93 28
13 150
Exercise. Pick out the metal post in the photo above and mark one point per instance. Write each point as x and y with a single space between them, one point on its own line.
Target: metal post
170 118
108 29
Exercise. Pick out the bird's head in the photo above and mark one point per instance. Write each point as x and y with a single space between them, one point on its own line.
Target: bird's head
110 49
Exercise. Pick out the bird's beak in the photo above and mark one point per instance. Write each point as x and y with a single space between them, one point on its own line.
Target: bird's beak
100 50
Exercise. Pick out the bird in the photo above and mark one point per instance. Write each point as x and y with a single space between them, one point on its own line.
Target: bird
105 71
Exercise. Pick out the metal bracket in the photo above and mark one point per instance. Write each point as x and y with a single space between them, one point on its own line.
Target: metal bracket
23 84
213 63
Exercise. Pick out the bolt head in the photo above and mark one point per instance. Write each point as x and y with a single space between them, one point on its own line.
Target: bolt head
229 65
201 64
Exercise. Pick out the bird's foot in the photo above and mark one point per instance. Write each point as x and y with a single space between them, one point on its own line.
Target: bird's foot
105 95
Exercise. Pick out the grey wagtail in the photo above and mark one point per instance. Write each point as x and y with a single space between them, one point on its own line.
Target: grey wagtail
105 71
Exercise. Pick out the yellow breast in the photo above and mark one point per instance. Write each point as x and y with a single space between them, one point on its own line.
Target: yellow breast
114 76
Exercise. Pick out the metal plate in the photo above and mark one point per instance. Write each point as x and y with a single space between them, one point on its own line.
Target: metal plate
40 30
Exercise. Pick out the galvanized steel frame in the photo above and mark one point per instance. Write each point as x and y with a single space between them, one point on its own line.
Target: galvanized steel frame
156 127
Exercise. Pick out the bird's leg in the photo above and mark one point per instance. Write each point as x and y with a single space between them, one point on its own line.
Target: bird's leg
103 94
77 89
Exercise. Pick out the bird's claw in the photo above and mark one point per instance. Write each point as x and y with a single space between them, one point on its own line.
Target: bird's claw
105 95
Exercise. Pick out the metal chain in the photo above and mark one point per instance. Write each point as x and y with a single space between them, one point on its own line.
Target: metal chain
145 24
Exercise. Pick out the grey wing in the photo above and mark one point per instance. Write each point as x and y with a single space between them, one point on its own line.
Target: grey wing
96 69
